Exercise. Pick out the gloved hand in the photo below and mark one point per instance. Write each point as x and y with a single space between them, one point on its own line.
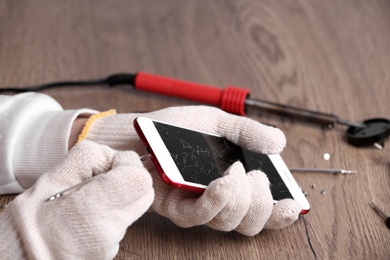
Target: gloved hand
87 223
237 201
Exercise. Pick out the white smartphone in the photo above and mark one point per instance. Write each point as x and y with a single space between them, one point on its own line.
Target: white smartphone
190 159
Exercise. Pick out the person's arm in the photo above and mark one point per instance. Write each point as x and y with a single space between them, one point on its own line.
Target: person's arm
35 135
77 128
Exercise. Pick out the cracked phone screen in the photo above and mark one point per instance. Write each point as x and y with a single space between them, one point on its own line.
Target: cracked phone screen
202 158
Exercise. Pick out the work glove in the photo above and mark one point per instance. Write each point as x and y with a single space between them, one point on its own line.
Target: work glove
87 221
237 201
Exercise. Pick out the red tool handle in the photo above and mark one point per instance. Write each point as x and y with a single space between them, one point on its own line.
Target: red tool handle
230 99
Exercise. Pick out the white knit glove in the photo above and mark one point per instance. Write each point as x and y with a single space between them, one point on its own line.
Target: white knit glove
87 223
238 201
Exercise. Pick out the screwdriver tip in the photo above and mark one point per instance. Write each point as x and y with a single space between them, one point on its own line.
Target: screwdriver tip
349 123
343 171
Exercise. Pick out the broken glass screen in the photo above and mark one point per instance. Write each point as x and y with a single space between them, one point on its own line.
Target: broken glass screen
203 158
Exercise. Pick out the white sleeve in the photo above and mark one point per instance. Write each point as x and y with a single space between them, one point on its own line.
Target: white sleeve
34 134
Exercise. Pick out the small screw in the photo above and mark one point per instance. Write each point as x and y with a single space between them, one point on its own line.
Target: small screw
326 156
305 193
379 146
313 186
323 192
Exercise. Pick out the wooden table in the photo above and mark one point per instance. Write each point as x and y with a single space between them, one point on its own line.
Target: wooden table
329 56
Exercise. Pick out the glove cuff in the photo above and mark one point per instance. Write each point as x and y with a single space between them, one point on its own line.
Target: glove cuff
91 121
113 130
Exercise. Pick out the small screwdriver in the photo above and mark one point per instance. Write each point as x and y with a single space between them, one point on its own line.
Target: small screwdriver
381 213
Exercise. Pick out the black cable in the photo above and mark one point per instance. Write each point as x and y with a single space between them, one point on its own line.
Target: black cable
112 80
308 238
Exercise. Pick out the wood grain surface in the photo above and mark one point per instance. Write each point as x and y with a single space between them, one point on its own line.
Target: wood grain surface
331 56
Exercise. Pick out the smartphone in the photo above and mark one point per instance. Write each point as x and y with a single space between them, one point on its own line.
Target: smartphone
190 159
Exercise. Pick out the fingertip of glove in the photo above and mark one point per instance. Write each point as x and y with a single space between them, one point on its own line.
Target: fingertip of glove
277 141
135 175
236 168
284 213
128 182
273 141
88 156
288 209
251 134
235 173
257 174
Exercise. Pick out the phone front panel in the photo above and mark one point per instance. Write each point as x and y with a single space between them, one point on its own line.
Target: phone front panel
202 158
